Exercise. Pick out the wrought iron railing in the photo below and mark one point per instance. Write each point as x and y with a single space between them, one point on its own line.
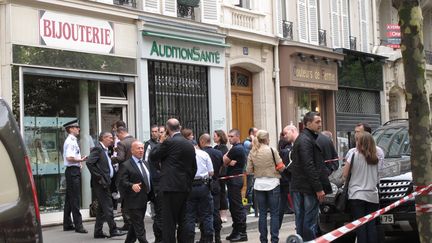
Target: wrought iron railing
322 37
128 3
287 27
185 11
353 42
428 57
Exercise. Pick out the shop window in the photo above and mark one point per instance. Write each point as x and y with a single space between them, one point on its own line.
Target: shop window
49 102
113 90
180 91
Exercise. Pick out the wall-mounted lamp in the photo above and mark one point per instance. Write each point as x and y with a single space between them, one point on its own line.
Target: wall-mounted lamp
339 63
314 58
369 60
302 56
326 60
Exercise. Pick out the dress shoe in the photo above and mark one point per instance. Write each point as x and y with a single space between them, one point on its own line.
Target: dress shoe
117 232
239 238
101 235
81 230
68 228
233 234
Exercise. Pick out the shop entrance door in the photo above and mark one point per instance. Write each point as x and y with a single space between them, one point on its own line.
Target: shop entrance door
241 101
111 113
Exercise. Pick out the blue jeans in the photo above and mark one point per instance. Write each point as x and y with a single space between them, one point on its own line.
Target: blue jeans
268 200
306 208
366 233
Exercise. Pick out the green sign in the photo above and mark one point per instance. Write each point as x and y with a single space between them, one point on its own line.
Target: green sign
194 53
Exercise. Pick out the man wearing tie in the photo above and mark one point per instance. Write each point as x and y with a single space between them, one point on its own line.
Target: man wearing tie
134 180
102 172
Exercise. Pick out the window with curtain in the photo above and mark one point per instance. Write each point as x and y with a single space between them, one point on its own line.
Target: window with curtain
340 24
307 15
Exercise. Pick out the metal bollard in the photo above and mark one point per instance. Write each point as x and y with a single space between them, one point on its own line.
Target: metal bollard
294 239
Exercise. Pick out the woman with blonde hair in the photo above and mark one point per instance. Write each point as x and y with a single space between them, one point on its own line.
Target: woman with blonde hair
264 162
362 185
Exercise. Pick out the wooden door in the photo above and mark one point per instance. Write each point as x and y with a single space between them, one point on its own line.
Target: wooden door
241 101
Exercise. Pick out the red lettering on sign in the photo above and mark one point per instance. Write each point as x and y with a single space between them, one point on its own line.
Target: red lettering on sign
107 37
66 31
47 29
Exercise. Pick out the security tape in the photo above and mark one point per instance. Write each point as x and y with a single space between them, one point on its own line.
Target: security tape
331 236
233 176
332 160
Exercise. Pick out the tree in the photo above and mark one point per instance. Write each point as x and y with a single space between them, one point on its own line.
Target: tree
413 56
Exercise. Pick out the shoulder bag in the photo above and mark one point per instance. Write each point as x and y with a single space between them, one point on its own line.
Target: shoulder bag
342 194
279 165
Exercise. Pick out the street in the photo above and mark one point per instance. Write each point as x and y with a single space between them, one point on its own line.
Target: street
56 234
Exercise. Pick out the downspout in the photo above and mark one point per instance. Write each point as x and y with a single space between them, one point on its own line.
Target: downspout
277 91
375 27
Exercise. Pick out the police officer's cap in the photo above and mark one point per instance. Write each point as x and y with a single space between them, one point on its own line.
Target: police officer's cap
73 123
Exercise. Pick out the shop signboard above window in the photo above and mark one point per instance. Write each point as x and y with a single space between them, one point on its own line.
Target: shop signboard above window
393 35
183 52
75 32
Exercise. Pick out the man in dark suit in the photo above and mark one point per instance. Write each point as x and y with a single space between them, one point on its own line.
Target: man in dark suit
134 181
101 170
178 167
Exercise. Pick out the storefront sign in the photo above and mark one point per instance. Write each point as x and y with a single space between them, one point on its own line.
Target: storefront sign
76 32
314 74
393 36
176 52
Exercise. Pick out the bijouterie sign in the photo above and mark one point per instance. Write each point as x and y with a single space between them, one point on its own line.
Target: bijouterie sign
76 32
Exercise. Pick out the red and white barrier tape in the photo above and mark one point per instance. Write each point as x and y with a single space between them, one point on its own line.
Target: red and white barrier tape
424 208
233 176
329 237
332 160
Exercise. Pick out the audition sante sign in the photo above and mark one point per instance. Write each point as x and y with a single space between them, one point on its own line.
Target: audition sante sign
75 32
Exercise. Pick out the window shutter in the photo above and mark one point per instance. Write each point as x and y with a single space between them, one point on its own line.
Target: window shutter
363 26
232 2
302 21
151 6
345 25
279 27
313 22
170 7
335 24
210 13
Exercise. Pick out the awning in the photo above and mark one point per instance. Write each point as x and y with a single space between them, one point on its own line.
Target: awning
184 38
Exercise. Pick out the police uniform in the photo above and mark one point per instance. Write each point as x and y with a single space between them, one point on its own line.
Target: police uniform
73 183
200 201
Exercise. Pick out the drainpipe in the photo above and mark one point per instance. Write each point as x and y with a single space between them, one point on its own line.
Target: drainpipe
277 91
375 27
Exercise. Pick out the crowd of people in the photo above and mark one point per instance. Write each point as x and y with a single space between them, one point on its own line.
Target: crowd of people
180 175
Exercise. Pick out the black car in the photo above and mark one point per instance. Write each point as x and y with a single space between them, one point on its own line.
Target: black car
19 209
395 182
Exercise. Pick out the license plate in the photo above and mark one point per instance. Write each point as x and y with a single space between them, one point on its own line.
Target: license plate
387 219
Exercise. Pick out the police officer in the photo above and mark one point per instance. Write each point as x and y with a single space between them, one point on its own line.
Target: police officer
200 201
216 157
72 160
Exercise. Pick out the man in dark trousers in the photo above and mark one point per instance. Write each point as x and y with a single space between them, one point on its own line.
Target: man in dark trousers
235 161
72 160
135 184
123 153
102 171
216 157
178 167
308 184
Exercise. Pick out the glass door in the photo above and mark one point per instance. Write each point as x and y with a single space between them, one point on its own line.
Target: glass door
110 113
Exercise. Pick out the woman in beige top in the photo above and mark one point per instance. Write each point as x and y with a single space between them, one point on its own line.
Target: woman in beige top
264 162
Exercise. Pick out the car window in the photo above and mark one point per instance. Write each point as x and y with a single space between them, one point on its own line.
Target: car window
398 139
386 138
9 190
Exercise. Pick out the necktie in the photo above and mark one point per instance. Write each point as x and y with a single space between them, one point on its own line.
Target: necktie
144 174
111 169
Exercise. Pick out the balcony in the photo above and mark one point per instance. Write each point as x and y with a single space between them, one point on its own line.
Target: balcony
322 37
287 27
243 19
353 42
126 3
428 57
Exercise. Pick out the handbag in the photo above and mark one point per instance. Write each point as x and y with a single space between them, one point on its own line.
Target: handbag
341 200
279 165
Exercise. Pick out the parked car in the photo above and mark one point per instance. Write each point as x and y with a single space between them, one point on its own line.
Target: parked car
19 209
395 182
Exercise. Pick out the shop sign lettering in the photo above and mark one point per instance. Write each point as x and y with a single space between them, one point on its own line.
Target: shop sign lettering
315 75
186 54
76 32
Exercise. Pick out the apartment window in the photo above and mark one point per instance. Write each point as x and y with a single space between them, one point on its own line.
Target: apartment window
364 46
340 23
244 4
307 12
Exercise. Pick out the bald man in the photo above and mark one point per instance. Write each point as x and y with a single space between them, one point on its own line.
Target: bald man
178 167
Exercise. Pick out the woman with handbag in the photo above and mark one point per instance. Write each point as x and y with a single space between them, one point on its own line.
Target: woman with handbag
265 163
220 138
362 168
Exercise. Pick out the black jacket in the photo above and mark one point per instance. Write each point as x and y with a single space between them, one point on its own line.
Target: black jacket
329 152
284 152
97 164
177 162
307 173
130 174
